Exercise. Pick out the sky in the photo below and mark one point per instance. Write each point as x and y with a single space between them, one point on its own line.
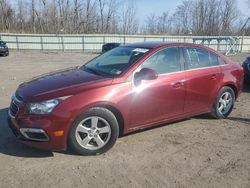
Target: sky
146 7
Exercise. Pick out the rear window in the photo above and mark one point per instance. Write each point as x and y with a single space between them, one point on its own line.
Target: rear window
199 58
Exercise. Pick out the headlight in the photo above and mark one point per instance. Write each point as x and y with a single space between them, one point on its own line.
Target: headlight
44 107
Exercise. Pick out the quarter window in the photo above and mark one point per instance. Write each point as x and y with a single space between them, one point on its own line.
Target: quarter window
214 60
164 61
221 62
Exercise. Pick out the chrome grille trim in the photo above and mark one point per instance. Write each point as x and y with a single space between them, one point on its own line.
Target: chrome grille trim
24 132
14 106
18 97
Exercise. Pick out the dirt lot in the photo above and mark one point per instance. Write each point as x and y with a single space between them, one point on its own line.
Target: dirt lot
197 152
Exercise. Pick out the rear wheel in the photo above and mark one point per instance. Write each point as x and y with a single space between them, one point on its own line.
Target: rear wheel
224 103
94 132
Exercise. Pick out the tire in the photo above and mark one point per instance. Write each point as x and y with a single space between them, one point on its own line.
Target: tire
7 54
224 103
93 132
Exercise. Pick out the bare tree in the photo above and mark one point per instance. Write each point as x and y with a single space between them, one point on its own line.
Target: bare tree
164 23
129 23
151 25
21 14
197 17
102 4
88 19
228 15
182 18
6 13
206 17
32 13
158 24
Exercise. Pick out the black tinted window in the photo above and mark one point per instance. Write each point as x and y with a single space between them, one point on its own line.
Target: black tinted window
164 61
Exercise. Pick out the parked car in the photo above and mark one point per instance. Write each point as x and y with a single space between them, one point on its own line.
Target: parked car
4 50
109 46
129 88
246 66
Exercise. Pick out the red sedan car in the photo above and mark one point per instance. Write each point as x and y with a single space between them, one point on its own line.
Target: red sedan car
131 87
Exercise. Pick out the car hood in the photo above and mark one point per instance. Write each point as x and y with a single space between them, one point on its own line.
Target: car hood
60 83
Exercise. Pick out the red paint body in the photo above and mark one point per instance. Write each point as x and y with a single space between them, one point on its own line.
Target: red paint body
168 98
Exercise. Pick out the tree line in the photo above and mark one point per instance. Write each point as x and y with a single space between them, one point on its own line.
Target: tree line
196 17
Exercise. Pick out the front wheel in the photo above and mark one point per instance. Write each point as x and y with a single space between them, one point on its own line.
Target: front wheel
94 132
224 103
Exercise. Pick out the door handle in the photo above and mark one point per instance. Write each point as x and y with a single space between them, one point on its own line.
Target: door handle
214 77
178 84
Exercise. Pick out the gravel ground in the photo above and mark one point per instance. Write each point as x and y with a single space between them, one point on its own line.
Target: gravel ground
196 152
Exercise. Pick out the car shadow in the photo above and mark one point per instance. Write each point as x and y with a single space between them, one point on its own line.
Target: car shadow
240 120
9 144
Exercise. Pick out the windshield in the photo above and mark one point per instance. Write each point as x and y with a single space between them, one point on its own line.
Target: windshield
116 61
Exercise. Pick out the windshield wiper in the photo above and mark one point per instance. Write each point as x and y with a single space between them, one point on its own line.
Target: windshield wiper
94 71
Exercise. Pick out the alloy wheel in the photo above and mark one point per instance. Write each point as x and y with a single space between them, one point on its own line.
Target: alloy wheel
225 103
93 133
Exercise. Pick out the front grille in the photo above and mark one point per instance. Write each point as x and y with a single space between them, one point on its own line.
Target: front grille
14 106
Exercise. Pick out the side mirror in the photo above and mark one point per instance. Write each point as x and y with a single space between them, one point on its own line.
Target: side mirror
144 74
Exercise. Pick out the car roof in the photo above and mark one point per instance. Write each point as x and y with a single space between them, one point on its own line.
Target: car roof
149 45
154 45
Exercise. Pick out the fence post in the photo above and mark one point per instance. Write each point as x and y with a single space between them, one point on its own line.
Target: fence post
218 45
17 43
41 41
83 43
104 39
62 43
242 43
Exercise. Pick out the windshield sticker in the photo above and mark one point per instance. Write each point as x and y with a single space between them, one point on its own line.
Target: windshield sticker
142 50
115 71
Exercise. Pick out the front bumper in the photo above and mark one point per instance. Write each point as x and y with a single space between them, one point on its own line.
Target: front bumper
37 133
4 51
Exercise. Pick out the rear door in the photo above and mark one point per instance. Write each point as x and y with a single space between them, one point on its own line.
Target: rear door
203 76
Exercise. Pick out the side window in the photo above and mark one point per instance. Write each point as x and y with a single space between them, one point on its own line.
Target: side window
221 62
214 59
196 58
164 61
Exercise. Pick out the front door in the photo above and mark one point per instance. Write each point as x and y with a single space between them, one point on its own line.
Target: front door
162 98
